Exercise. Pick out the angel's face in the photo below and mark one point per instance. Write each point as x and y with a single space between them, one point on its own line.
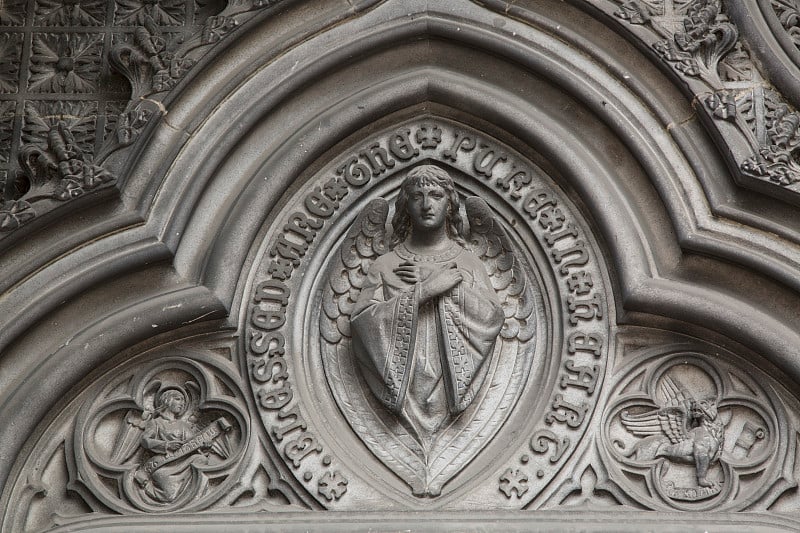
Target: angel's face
175 403
427 206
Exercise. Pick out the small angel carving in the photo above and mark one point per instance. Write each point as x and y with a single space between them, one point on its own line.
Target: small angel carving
170 440
420 310
684 429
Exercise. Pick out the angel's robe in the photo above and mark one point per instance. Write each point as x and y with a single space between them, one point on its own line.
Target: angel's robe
426 361
167 482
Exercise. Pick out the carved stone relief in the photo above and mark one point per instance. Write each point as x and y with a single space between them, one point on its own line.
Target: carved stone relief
64 108
700 42
427 351
434 314
170 439
697 433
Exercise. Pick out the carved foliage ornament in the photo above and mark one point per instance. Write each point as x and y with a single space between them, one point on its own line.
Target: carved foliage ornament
701 43
427 318
58 84
696 435
788 12
165 438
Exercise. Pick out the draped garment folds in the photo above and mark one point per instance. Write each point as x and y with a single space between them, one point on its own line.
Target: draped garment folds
166 483
426 361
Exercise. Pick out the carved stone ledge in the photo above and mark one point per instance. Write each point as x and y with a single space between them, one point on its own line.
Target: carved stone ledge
514 522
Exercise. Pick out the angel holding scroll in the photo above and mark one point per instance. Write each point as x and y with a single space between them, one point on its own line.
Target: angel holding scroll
166 442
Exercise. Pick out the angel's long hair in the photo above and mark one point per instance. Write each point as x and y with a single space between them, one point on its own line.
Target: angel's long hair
417 177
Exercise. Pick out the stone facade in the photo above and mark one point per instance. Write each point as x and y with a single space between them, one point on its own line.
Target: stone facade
230 300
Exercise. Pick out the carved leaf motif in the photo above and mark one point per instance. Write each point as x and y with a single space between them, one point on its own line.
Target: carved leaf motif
703 43
163 12
217 27
10 50
70 13
639 11
7 114
14 214
777 159
57 154
12 12
65 62
788 13
140 57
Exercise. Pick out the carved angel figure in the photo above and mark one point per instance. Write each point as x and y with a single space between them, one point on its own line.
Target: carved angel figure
684 429
425 304
170 441
427 317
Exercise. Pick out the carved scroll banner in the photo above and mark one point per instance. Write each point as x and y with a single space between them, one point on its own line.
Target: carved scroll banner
207 435
428 308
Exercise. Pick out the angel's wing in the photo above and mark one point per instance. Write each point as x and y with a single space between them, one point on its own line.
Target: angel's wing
674 423
489 241
670 421
675 414
193 408
129 436
674 395
364 243
130 433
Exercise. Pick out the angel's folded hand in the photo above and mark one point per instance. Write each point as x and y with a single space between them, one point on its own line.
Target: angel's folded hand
407 272
439 283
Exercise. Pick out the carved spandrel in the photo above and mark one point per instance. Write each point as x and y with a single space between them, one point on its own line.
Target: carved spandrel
71 54
788 13
701 43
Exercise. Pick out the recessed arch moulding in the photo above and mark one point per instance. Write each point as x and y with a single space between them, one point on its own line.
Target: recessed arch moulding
411 256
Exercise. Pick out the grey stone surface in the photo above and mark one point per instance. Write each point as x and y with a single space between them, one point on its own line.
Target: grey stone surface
197 193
